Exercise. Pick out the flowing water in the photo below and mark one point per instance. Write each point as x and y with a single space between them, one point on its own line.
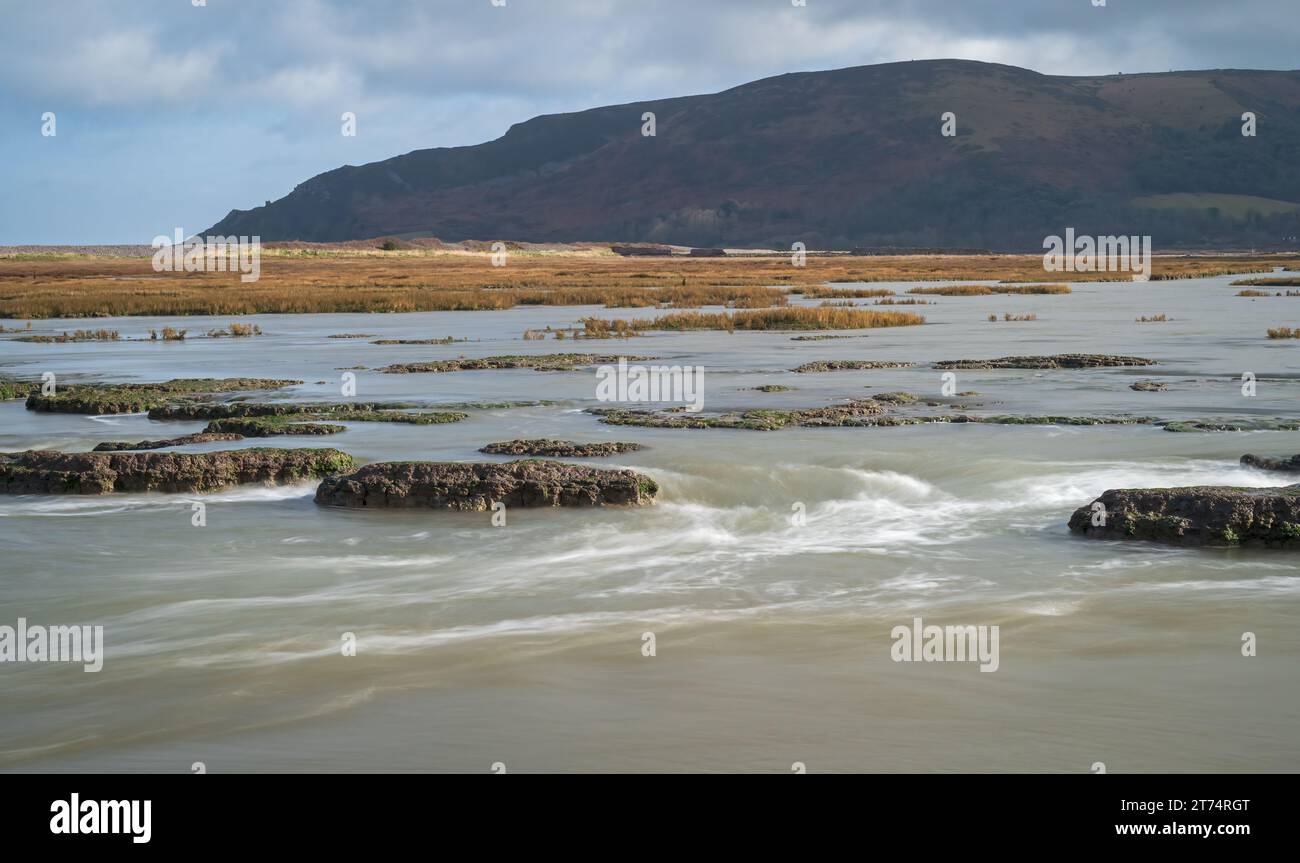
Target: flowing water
523 644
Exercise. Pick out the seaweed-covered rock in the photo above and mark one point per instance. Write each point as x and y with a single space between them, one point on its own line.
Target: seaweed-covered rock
1149 386
1231 425
48 472
476 486
270 427
849 365
11 389
136 398
184 440
1055 361
559 448
537 362
1199 515
305 411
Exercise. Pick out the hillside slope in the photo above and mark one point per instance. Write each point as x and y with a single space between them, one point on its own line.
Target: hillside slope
847 158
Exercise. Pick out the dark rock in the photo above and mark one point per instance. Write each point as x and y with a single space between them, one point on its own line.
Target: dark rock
475 487
1055 361
201 437
47 472
559 448
1149 386
850 365
536 362
192 410
1290 464
1205 515
270 427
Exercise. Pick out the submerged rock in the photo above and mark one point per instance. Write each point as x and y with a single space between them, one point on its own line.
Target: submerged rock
1149 386
191 410
184 440
559 448
1290 464
48 472
1230 425
367 412
860 413
270 427
849 365
1055 361
536 362
855 412
476 486
1200 515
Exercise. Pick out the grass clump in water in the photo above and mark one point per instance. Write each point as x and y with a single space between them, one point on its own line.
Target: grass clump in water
789 318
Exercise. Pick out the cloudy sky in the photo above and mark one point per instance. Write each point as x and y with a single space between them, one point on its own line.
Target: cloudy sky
170 114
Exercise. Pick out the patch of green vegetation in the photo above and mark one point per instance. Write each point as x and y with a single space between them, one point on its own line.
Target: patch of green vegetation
1232 206
270 427
897 398
10 389
135 398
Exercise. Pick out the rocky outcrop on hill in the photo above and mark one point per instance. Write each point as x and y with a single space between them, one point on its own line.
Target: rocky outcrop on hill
1202 515
845 159
475 487
48 472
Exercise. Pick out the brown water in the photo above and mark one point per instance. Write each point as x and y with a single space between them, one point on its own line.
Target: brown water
522 644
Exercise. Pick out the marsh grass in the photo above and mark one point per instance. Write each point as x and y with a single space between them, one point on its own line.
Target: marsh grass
790 318
817 292
1284 333
374 281
1275 282
1151 319
238 331
75 336
988 290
